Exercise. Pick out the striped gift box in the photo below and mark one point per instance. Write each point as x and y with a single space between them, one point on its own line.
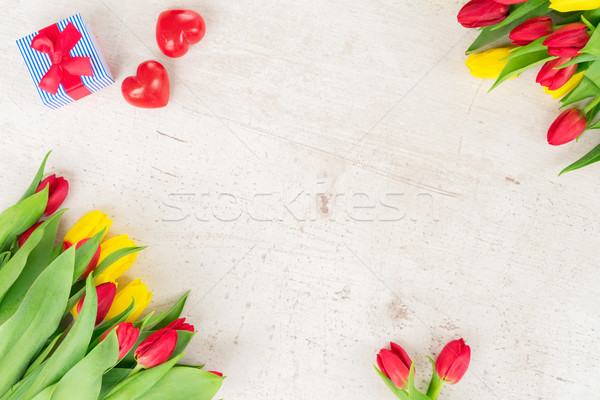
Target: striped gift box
39 63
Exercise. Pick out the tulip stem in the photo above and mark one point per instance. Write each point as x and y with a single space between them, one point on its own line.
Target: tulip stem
435 386
135 370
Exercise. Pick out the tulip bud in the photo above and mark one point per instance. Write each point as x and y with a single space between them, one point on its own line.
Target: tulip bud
135 290
568 40
106 294
127 335
567 87
89 225
488 64
395 364
118 268
25 235
574 5
553 77
58 188
477 13
157 348
531 30
569 125
453 361
93 262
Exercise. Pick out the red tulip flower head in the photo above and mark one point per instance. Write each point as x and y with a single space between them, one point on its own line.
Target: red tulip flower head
395 364
531 30
127 335
553 77
477 13
568 126
453 361
58 188
106 294
568 40
159 346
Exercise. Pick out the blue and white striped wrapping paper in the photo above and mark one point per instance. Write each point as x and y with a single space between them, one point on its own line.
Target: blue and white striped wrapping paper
39 63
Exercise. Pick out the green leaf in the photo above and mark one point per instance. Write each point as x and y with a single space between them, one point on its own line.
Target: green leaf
70 351
518 64
173 313
38 316
20 217
38 260
401 394
435 384
590 158
85 378
413 392
11 271
106 325
112 378
524 10
40 358
187 383
490 35
37 179
138 386
578 60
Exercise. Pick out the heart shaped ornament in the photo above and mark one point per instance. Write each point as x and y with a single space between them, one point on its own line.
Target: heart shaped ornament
149 88
176 30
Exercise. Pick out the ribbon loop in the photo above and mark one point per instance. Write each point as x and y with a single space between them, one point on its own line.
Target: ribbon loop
64 69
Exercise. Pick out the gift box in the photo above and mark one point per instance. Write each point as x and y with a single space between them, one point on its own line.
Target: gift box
65 62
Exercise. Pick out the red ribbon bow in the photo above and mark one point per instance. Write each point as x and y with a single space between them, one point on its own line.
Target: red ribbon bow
65 69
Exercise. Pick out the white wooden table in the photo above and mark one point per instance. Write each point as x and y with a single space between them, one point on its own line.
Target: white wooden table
267 185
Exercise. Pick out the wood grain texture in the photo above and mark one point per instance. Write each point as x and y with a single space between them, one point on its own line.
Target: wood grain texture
328 177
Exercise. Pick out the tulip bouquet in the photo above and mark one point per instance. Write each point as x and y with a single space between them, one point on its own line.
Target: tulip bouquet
560 35
398 372
65 330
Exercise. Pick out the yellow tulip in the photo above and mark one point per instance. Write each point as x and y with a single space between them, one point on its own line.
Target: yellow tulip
488 64
119 267
89 225
566 88
135 290
574 5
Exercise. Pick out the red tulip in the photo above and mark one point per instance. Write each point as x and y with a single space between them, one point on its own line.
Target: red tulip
157 348
553 77
453 361
127 335
57 192
510 1
395 364
478 13
569 125
568 40
106 294
180 325
93 262
217 373
531 30
25 235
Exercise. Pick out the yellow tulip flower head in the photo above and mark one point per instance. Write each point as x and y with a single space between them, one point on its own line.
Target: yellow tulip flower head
89 225
488 64
567 87
119 267
574 5
135 290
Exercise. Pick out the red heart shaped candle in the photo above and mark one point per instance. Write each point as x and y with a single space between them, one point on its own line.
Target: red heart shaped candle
176 30
149 88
